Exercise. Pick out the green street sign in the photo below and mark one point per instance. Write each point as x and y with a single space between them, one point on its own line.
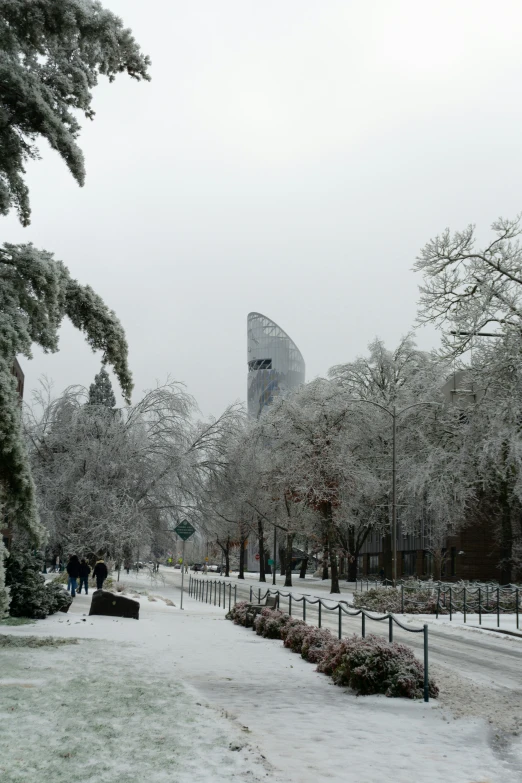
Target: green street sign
185 530
270 562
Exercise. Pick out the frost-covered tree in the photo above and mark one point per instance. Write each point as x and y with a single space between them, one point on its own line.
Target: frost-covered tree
52 53
36 294
100 392
474 294
115 481
468 289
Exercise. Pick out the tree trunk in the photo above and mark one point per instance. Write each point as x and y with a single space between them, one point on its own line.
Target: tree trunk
325 549
506 536
282 560
227 561
332 554
241 574
225 548
261 546
304 566
288 559
352 569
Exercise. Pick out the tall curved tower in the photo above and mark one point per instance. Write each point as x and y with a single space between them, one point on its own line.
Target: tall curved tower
275 363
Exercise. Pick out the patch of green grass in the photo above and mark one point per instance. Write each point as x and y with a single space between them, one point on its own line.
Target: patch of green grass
17 621
33 641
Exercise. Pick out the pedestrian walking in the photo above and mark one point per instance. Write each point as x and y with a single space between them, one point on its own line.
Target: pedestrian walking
127 566
73 571
101 573
85 570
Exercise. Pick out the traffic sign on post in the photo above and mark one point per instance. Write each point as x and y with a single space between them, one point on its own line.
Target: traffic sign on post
184 531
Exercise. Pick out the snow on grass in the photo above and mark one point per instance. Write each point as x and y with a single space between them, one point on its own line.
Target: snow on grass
97 712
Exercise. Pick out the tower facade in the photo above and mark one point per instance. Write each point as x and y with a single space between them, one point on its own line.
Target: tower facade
275 363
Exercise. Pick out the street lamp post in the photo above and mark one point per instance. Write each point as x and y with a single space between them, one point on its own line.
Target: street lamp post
394 416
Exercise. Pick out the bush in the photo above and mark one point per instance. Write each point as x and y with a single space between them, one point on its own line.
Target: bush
315 643
373 665
369 665
295 636
388 599
30 596
238 613
58 599
26 586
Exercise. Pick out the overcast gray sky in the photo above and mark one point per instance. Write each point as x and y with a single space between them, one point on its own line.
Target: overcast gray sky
289 157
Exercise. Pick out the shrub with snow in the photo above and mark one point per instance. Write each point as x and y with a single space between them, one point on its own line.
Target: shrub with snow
238 613
389 599
58 599
295 635
373 665
315 642
30 596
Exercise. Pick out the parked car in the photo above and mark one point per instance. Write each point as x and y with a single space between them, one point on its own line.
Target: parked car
216 569
178 566
139 564
197 567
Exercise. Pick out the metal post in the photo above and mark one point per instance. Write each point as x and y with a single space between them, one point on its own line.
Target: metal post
274 557
251 588
235 594
480 609
464 605
182 575
516 607
340 622
220 593
390 630
426 676
438 602
320 605
498 607
258 595
394 497
451 608
304 608
402 599
290 604
363 625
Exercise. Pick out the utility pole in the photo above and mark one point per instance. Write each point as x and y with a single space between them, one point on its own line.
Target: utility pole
394 414
274 558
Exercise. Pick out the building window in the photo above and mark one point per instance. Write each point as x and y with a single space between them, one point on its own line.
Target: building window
409 561
373 565
260 364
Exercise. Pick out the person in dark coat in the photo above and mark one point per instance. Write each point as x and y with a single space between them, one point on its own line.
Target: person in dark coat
101 573
84 576
73 570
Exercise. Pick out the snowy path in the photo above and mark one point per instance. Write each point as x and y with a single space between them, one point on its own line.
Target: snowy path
211 686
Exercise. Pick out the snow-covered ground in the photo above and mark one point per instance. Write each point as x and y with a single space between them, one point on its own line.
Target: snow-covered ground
188 696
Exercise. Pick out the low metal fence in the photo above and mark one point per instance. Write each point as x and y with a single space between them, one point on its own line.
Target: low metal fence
452 598
209 591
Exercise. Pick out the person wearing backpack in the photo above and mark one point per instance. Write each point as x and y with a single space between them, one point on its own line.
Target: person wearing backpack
84 576
100 573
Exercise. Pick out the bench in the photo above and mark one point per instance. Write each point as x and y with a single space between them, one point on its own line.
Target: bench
272 602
